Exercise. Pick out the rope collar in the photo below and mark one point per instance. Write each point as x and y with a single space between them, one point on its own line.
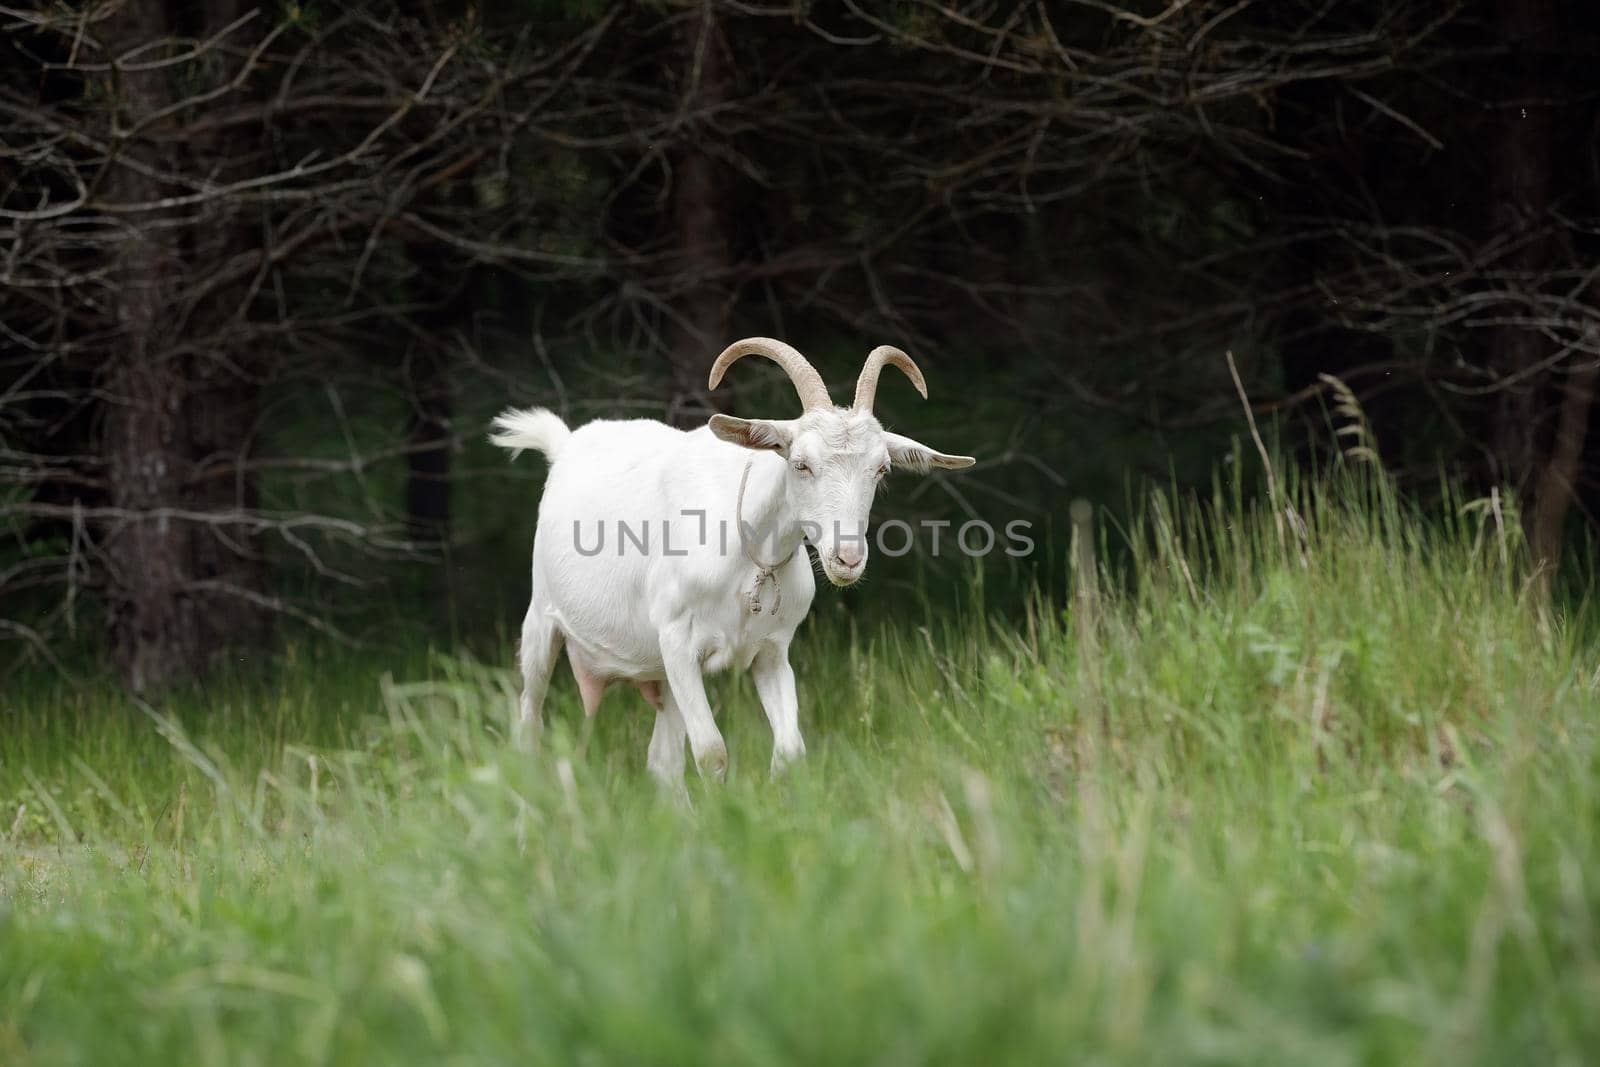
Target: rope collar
765 572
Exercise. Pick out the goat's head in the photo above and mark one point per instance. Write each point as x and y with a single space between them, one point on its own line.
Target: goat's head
836 456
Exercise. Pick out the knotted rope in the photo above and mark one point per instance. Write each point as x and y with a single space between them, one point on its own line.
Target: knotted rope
765 572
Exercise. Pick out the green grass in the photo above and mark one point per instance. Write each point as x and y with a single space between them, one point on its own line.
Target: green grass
1274 798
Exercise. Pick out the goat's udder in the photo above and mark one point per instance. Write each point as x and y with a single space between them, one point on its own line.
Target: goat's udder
592 687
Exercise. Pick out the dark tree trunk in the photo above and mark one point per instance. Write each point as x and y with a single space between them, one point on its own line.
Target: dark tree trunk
183 577
699 328
154 636
1557 485
1522 161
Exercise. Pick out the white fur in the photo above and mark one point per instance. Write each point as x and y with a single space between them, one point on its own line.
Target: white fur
535 428
661 619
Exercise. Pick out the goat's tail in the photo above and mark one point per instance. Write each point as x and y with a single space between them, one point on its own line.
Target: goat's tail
534 428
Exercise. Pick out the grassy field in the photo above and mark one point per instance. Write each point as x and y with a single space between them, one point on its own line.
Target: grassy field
1274 796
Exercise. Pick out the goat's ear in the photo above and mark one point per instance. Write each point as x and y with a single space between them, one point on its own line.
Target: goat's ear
759 434
914 456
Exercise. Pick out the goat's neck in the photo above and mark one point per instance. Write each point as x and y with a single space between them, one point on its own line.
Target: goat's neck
772 525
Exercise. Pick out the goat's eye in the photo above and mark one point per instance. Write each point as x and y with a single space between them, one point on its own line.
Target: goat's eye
802 467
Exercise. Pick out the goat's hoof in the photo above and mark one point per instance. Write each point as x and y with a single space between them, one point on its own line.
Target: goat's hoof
782 761
674 791
525 736
714 764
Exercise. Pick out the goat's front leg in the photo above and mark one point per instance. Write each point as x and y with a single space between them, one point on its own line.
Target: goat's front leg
682 662
775 683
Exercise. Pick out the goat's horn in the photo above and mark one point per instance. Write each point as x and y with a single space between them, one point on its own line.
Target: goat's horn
867 384
807 382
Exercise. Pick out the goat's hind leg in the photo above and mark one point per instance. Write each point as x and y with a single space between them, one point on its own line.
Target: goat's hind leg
536 656
665 759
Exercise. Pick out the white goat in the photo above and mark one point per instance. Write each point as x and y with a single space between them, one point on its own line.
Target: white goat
664 554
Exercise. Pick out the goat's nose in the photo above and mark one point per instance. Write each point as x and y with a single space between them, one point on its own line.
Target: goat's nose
849 555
